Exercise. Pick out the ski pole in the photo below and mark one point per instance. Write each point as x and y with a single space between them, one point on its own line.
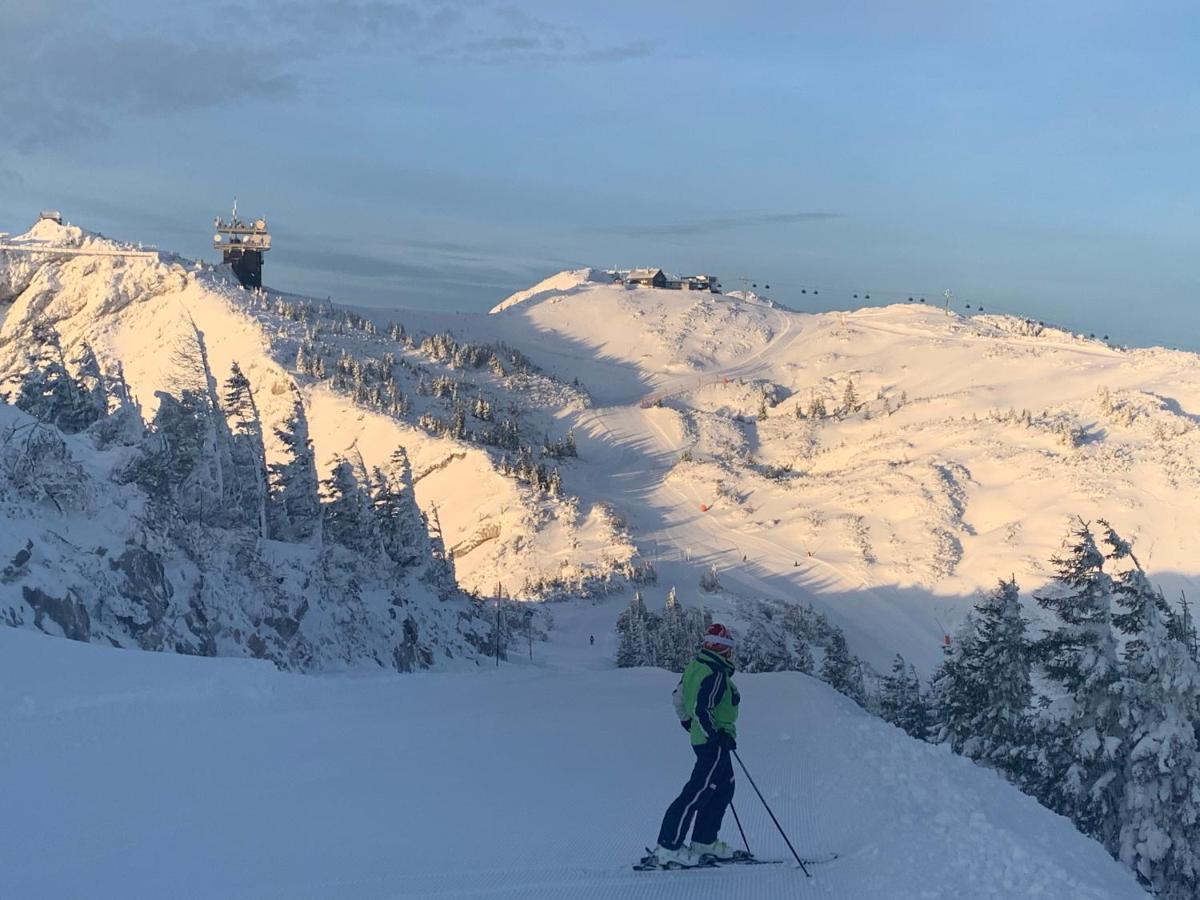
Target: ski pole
772 815
741 831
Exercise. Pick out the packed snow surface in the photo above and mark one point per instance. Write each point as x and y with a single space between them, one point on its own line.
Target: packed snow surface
131 774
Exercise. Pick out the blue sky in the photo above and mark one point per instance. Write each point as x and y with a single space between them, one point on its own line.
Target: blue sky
1037 158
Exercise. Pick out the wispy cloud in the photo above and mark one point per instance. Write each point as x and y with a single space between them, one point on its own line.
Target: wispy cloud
84 68
78 78
724 223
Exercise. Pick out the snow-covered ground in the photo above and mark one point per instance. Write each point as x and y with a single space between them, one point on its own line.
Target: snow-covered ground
132 775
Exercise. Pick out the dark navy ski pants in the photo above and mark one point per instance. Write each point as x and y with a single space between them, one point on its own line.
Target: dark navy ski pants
704 798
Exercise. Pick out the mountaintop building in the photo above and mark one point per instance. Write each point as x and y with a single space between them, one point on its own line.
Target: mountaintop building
243 245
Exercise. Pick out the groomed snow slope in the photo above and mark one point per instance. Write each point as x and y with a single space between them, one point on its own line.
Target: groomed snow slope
138 775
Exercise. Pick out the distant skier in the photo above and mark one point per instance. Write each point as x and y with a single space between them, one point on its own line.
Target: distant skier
706 702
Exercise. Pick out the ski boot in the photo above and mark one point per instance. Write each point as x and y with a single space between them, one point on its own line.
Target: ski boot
718 851
682 858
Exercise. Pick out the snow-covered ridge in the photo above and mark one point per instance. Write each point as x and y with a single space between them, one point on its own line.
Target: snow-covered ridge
558 284
152 322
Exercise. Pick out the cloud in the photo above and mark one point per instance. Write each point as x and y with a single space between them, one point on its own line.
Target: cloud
475 31
708 226
77 78
82 68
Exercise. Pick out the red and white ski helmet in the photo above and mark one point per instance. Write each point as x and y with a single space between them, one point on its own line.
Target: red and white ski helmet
718 640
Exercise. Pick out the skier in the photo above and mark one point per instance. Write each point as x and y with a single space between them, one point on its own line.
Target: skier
706 702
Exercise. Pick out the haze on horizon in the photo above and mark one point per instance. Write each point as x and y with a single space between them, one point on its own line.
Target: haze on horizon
1033 158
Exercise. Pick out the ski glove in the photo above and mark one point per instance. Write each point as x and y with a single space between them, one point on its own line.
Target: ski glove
725 740
687 724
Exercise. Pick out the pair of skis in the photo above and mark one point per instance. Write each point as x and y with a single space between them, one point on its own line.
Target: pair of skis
650 863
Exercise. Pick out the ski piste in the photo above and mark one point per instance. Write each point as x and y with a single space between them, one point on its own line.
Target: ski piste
740 858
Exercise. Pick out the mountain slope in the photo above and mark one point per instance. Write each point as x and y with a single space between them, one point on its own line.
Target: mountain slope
971 442
225 778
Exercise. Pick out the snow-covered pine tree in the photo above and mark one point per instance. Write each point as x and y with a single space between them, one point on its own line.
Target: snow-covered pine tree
952 693
193 375
800 637
346 508
439 574
123 425
901 702
91 388
401 526
710 580
996 665
631 631
764 648
849 399
676 649
175 464
47 391
1084 744
1160 806
248 480
816 406
840 670
294 513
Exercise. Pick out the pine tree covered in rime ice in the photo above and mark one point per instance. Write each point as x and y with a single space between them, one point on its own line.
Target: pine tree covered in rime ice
1083 774
984 707
92 385
346 509
669 640
633 645
1160 806
294 512
901 702
764 647
249 457
952 693
849 399
401 525
795 626
840 670
176 465
710 580
123 423
680 637
193 376
440 573
51 395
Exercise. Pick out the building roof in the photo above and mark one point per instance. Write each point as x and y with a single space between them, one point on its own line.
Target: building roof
637 274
